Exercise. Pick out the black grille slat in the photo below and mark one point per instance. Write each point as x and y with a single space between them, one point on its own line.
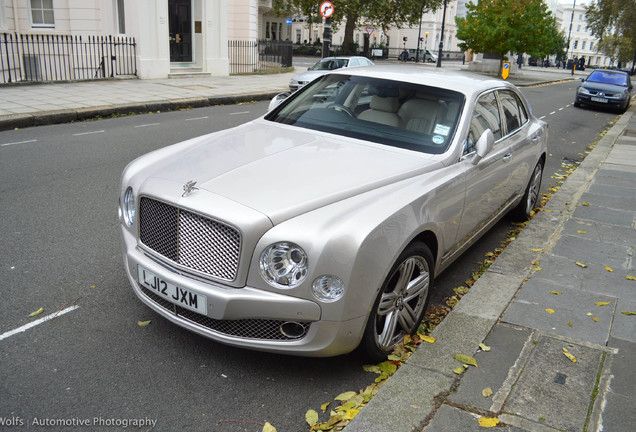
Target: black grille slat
190 240
266 329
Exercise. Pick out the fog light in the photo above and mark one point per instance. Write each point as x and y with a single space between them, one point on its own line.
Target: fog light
328 288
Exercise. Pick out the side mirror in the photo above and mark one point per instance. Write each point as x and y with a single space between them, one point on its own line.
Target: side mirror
583 79
483 146
277 100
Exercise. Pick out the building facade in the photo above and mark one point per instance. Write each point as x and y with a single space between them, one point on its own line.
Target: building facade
172 36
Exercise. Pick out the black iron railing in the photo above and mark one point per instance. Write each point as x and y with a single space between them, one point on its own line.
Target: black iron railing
45 57
251 56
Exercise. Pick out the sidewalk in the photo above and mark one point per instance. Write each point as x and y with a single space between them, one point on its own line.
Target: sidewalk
591 220
562 284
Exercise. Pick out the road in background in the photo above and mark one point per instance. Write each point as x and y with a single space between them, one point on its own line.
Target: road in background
61 247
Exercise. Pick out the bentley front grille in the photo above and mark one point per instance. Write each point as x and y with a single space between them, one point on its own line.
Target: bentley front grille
267 329
190 240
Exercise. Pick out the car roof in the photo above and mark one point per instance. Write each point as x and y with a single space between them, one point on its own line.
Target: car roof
463 82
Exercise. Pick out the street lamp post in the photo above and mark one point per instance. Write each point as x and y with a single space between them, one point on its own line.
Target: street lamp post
569 33
441 40
419 38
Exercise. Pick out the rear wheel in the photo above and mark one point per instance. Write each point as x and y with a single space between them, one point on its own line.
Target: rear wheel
531 196
401 303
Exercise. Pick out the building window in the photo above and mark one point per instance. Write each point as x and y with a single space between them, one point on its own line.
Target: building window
591 46
267 30
42 13
576 44
583 45
274 26
297 36
578 28
121 20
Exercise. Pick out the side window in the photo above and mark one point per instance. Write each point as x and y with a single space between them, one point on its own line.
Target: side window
522 110
485 116
510 110
353 62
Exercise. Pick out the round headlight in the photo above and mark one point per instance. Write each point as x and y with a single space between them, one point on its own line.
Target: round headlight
284 265
130 207
328 288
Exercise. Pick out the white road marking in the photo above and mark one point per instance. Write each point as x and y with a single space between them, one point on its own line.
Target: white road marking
146 125
541 118
197 118
89 133
242 112
37 322
553 112
18 142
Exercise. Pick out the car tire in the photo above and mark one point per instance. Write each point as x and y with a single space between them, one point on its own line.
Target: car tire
530 197
401 303
577 104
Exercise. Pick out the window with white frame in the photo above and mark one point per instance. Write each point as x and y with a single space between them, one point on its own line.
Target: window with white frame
121 18
42 13
583 45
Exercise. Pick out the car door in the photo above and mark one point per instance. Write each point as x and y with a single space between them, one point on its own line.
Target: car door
487 182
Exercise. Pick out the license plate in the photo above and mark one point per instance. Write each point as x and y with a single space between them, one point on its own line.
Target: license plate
174 294
598 99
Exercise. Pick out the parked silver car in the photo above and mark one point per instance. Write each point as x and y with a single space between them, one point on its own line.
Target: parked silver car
319 228
324 66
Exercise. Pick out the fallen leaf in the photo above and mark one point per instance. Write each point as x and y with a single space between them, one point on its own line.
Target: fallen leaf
460 370
345 396
37 312
556 292
586 204
570 324
628 277
581 264
538 268
351 413
628 312
595 319
311 417
568 355
486 392
428 339
268 427
602 303
484 347
466 359
582 232
324 406
550 311
609 269
143 323
536 250
488 422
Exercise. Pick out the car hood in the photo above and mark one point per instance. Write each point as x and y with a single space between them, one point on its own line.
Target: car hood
283 171
310 75
604 87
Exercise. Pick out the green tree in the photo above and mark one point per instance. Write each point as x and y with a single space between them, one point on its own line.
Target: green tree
504 26
613 22
354 13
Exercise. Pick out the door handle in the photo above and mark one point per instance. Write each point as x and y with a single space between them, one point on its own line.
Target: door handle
178 38
507 157
536 138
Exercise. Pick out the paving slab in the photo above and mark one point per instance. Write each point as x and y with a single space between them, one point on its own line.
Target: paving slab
589 251
624 326
554 390
451 419
574 306
506 344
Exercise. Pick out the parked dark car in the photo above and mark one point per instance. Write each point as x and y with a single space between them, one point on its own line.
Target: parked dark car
605 88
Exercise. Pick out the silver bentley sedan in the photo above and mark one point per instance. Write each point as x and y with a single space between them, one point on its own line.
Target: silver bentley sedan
319 228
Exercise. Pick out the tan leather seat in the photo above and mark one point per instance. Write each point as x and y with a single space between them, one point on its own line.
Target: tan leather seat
382 110
420 115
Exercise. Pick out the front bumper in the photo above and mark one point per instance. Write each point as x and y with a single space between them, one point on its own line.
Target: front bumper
245 317
611 102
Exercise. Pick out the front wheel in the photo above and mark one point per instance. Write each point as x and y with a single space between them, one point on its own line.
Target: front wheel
530 197
401 303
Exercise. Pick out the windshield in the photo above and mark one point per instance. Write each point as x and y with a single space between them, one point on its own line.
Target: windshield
398 114
608 78
330 64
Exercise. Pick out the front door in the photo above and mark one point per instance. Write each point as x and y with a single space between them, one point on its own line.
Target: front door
180 27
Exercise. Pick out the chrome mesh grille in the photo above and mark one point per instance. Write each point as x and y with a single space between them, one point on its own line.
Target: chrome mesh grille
190 240
244 328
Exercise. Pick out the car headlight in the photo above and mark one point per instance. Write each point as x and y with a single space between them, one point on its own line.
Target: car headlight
284 265
328 288
129 207
293 82
583 90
